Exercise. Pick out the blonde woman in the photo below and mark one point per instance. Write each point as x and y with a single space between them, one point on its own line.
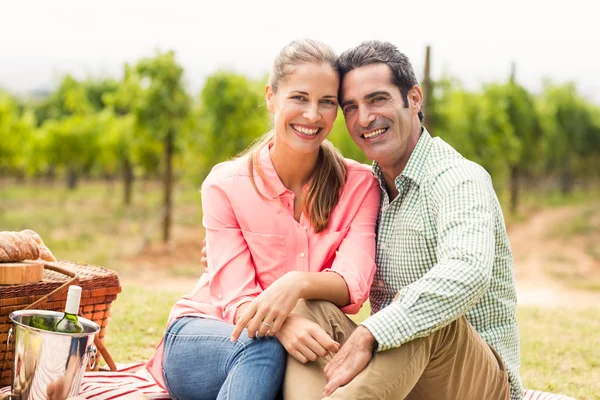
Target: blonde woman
289 220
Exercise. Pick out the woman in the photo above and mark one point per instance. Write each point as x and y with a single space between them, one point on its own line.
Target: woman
289 220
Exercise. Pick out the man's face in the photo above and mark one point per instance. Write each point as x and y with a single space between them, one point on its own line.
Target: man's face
377 118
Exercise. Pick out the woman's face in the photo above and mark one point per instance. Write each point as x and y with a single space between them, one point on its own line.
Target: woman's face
305 106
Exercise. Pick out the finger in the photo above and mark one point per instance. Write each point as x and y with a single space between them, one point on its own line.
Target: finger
331 367
278 321
316 347
325 340
298 356
307 352
203 252
243 322
255 323
263 328
333 385
267 324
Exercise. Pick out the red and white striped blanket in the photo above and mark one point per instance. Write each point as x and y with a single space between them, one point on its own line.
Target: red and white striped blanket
133 379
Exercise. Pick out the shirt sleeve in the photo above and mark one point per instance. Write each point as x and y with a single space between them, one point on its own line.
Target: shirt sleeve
465 254
355 257
232 276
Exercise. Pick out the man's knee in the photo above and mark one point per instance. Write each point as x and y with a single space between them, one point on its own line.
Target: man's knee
315 308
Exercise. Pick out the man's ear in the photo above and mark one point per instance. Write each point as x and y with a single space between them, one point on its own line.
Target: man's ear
415 98
269 97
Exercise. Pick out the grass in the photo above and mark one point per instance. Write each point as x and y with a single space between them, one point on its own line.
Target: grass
560 351
90 225
560 348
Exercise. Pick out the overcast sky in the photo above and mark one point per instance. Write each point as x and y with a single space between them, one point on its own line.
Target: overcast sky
474 40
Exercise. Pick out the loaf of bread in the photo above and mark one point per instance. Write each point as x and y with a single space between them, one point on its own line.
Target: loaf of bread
24 245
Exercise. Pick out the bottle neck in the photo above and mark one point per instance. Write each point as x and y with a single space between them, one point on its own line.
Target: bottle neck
72 306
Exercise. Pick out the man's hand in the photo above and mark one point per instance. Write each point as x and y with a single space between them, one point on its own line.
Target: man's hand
266 313
352 358
305 340
203 260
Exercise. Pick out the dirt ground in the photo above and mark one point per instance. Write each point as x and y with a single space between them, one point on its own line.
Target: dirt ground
546 259
552 267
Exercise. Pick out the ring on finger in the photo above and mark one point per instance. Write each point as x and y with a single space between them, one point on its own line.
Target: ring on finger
267 324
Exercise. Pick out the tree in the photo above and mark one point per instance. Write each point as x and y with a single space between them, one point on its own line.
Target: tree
119 143
570 127
229 118
72 143
523 117
16 130
478 126
161 111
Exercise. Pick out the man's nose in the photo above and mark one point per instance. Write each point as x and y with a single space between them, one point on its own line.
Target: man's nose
365 117
312 114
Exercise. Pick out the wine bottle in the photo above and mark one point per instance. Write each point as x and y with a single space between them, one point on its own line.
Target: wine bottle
69 323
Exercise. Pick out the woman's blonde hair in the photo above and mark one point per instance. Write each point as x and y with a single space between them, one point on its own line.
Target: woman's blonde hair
330 174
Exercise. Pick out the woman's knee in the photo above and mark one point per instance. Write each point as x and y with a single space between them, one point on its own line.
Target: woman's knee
268 347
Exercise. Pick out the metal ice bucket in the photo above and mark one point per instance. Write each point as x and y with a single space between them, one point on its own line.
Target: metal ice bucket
49 364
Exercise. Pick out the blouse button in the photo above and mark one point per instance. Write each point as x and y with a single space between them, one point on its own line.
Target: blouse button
305 228
302 255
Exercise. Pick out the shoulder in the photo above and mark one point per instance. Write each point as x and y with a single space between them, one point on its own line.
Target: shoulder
227 172
358 171
447 166
360 178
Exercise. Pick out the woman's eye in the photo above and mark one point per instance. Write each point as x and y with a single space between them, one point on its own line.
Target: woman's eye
298 98
329 102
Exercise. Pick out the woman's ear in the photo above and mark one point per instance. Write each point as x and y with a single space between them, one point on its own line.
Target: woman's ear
269 97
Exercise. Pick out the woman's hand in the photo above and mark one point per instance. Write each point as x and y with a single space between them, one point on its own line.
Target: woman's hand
305 340
265 314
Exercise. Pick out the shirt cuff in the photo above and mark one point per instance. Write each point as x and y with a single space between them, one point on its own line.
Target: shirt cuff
231 308
357 294
391 327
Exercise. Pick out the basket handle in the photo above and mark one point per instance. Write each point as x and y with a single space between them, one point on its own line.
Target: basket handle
42 300
97 342
54 267
74 278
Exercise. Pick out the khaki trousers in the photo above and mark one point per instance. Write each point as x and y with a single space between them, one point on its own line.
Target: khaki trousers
453 363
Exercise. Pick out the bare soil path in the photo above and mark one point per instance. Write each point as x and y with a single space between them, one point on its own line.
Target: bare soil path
544 258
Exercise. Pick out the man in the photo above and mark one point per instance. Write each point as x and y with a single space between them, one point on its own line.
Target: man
443 322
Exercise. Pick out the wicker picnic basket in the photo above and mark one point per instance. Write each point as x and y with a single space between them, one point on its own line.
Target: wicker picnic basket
100 288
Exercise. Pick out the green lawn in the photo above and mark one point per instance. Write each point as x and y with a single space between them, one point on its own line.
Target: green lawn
560 348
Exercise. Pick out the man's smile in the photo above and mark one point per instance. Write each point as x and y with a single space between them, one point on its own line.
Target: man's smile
375 133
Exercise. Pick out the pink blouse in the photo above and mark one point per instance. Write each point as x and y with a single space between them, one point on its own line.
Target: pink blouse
251 242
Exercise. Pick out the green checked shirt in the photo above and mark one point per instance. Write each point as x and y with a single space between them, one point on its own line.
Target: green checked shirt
443 252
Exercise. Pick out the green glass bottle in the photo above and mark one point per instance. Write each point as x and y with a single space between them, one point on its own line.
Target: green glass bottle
70 323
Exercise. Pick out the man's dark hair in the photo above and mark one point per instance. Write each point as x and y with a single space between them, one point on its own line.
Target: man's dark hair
374 51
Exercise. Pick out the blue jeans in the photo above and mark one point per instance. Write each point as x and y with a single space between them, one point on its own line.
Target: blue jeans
200 362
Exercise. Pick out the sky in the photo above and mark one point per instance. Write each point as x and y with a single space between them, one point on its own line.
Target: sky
473 40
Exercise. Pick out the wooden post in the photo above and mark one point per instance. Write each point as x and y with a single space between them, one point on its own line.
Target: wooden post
428 93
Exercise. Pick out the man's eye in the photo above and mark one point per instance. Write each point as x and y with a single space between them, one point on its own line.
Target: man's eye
349 108
378 99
